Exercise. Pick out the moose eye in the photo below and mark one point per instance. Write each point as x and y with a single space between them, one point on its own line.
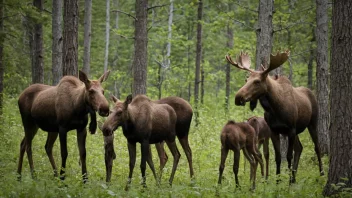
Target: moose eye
256 82
103 92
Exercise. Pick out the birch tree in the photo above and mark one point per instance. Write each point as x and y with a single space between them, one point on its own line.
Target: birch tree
107 35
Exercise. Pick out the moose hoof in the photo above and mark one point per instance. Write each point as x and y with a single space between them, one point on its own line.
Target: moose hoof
292 180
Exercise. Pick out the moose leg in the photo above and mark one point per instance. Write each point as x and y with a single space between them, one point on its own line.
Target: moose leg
185 145
49 150
145 153
291 141
20 160
132 155
151 165
162 155
176 155
81 141
236 162
64 153
298 150
266 156
253 167
224 152
275 139
313 134
30 133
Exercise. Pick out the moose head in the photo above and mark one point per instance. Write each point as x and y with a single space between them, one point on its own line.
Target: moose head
256 84
95 93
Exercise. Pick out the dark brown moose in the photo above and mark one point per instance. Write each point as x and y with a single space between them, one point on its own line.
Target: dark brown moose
145 122
236 137
59 109
184 114
288 110
263 133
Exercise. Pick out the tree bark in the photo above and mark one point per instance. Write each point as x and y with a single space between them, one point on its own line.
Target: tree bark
198 59
57 41
310 61
107 35
340 170
87 35
264 33
169 34
2 67
140 48
38 66
70 38
114 62
198 52
322 73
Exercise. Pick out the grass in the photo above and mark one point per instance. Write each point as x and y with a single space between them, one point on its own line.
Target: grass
205 144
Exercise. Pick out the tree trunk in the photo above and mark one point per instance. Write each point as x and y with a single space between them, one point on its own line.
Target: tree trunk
140 59
169 35
340 170
38 66
107 35
198 59
114 62
229 45
264 33
87 35
310 61
57 41
2 67
322 73
70 38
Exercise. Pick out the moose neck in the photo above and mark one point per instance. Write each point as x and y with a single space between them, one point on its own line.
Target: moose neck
82 103
272 100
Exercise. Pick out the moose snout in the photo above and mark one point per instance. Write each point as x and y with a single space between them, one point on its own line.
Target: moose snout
239 100
103 110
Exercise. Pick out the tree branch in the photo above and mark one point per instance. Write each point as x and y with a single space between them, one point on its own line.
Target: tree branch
157 6
128 14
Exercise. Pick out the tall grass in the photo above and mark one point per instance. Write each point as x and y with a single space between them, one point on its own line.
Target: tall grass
205 144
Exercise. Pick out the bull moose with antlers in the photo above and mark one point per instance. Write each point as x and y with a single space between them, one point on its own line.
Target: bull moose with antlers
288 110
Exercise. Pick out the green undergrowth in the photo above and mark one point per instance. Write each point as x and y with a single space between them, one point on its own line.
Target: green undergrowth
205 144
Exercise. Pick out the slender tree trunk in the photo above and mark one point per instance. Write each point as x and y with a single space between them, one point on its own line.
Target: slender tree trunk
169 35
38 66
70 38
229 45
114 63
322 73
198 59
264 33
189 63
310 61
107 36
340 170
140 49
57 41
2 67
87 35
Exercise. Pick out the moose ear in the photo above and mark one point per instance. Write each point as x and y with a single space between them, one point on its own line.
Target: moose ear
114 99
83 77
128 99
104 76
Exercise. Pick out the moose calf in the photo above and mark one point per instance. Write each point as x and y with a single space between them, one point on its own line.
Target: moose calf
236 136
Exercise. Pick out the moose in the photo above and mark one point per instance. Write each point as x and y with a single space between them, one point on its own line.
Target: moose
59 109
184 115
145 122
236 137
288 110
263 134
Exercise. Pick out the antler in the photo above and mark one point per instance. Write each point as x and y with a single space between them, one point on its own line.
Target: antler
243 61
277 60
